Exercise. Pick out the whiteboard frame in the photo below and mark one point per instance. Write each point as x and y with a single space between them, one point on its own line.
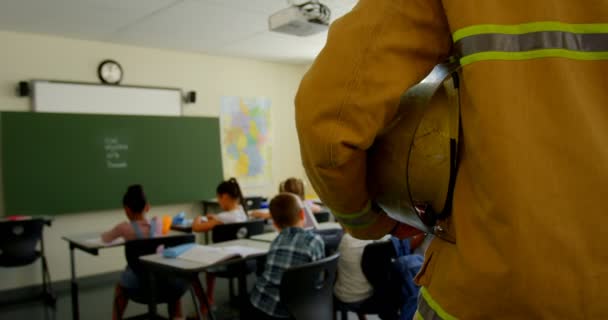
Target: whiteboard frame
172 111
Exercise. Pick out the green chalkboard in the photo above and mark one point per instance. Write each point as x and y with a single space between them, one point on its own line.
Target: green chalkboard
62 163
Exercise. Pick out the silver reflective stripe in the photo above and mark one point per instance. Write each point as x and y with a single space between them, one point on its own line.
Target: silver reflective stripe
584 42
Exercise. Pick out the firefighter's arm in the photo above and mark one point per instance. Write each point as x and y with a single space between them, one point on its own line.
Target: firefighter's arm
372 55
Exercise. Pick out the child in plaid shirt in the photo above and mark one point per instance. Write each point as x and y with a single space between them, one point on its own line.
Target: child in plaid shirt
293 246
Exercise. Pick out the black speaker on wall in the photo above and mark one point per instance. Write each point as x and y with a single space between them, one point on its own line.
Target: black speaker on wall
23 89
190 97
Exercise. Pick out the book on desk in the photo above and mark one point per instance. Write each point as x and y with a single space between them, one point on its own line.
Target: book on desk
207 255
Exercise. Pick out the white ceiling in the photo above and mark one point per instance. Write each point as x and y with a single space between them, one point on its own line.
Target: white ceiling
220 27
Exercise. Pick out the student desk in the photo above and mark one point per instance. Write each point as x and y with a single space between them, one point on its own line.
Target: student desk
265 237
183 227
329 226
90 243
270 236
190 269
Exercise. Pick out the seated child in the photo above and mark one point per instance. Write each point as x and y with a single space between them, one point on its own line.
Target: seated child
296 186
138 227
231 201
352 287
293 246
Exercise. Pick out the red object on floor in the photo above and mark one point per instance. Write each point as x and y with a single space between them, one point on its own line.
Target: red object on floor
17 218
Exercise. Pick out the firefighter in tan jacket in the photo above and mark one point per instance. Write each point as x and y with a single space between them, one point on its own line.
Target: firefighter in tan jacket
530 208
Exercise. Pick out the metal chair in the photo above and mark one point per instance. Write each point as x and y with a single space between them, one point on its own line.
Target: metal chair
331 238
240 230
307 290
254 203
19 247
233 231
171 288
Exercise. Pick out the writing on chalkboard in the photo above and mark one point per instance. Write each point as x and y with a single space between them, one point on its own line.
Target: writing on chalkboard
116 153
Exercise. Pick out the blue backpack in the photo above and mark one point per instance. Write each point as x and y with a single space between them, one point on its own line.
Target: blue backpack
407 266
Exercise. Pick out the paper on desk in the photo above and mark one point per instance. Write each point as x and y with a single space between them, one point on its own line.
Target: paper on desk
207 255
243 251
98 242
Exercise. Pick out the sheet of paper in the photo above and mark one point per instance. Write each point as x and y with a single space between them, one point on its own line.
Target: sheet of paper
98 242
206 255
243 251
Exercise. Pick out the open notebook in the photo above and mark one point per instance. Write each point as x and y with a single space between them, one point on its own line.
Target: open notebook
207 255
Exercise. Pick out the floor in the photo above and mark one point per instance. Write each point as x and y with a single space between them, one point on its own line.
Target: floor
96 304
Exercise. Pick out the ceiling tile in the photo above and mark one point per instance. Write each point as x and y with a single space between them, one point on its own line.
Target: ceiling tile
193 25
89 19
271 6
275 47
266 7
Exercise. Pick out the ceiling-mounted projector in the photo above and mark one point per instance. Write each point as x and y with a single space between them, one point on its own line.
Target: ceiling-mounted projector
302 20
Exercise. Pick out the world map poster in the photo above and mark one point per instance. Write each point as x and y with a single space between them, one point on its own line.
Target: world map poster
245 133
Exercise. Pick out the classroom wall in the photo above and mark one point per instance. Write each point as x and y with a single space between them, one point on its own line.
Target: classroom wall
28 56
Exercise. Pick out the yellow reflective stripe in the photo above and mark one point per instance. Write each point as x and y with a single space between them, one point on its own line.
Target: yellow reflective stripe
530 27
435 306
357 220
418 316
364 225
353 215
535 54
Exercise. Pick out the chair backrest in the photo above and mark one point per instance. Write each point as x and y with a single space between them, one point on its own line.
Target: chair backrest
141 247
377 266
254 203
240 230
19 242
307 290
331 238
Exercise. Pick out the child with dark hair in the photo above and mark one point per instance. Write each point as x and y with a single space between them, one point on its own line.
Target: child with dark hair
231 201
136 206
293 246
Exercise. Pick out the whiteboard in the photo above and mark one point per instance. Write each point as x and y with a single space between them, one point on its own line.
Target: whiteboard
66 97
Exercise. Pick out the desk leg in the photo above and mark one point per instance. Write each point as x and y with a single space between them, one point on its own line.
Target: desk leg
205 210
202 295
152 298
242 285
74 286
